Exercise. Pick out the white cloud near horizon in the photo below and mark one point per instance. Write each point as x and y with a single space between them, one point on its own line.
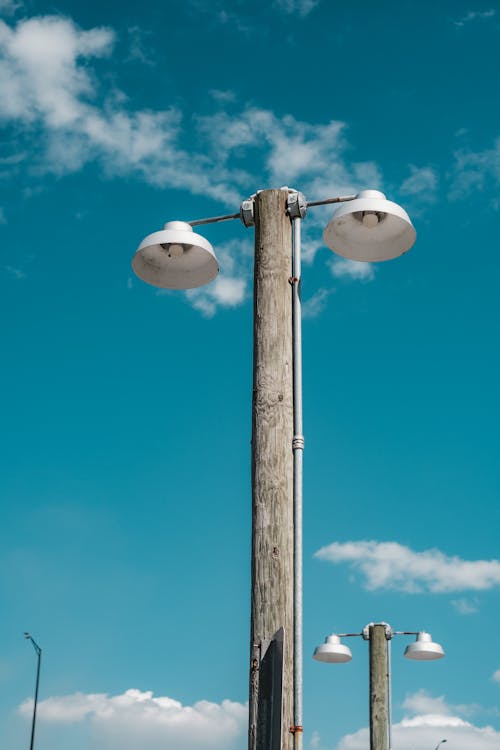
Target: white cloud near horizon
391 565
137 719
429 720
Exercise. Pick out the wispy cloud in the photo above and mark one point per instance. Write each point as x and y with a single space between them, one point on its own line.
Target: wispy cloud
9 7
222 96
475 15
496 676
49 85
422 183
393 566
356 270
229 288
138 719
472 170
466 606
47 82
139 46
314 306
15 273
300 8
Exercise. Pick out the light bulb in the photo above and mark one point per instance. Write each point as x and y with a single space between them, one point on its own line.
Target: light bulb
175 250
370 219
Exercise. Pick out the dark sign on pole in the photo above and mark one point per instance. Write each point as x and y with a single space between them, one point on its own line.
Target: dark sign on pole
270 701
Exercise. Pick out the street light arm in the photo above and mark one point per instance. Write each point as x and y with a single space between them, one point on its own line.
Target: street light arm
340 199
213 219
35 644
229 217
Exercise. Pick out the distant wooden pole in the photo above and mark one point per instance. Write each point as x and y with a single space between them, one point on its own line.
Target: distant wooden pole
272 464
379 688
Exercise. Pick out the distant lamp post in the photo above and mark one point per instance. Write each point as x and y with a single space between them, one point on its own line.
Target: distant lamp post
379 636
440 743
38 651
366 227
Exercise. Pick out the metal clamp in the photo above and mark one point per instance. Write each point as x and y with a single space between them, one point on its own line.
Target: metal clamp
387 628
296 205
247 212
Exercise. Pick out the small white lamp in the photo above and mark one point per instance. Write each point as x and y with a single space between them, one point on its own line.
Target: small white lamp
370 228
332 650
175 258
424 648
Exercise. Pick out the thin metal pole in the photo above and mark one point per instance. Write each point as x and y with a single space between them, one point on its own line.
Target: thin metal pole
37 683
389 695
298 451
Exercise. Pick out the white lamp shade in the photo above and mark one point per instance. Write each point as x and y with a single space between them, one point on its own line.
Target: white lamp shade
175 258
370 228
424 648
333 651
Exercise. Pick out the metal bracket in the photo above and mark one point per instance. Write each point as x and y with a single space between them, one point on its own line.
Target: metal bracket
296 205
247 212
366 630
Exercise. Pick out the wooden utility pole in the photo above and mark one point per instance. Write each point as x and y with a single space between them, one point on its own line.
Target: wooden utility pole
379 688
272 472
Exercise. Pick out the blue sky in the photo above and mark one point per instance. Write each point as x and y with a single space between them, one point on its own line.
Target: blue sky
125 534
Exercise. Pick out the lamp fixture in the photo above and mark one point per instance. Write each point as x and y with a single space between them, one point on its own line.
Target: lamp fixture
332 651
424 648
175 258
370 228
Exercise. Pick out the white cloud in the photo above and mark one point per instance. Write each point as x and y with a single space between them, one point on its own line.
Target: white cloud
222 96
433 720
393 566
352 269
229 288
475 15
472 170
315 305
422 182
49 85
292 149
137 719
139 47
496 676
15 273
301 8
466 606
46 81
422 702
315 740
9 7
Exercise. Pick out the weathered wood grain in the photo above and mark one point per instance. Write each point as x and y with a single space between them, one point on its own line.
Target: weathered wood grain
272 465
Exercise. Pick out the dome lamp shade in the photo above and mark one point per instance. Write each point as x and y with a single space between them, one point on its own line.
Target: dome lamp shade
369 228
424 648
332 651
175 258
